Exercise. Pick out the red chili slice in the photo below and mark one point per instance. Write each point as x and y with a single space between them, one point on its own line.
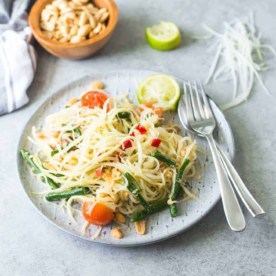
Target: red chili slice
126 144
156 142
141 129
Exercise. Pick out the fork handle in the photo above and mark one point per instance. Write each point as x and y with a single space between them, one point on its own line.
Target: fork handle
249 201
230 202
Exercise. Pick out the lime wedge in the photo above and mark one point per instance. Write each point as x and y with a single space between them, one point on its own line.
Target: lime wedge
161 89
164 36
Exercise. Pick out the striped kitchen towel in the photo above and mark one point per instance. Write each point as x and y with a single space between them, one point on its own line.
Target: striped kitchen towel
17 55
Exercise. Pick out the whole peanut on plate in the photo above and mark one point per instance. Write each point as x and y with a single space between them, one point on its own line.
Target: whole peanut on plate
73 21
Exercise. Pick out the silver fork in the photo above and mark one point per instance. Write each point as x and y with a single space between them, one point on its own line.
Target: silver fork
247 198
201 120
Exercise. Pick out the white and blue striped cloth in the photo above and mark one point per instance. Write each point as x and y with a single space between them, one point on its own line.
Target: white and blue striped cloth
17 55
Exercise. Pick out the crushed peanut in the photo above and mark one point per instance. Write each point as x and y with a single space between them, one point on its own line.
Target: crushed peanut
74 161
183 152
124 196
168 174
120 218
48 166
117 233
41 136
140 227
56 134
71 102
97 85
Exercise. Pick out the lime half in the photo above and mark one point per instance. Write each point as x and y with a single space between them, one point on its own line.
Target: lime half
164 36
161 89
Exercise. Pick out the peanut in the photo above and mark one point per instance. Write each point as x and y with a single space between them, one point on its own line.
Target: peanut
71 101
72 20
104 17
56 134
64 30
74 161
168 175
65 39
125 196
74 30
103 29
98 28
140 227
117 233
47 34
41 136
120 218
92 34
97 85
92 20
76 39
84 30
48 166
83 19
47 26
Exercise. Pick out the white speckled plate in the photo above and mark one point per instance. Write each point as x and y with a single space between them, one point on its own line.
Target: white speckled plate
159 226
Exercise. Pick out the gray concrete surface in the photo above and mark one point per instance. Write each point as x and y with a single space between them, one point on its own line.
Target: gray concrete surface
29 245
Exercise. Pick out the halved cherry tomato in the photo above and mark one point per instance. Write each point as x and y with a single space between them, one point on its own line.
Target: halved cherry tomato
141 129
155 142
92 99
98 214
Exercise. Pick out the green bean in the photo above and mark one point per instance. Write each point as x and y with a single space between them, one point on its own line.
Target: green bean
29 159
134 187
67 194
176 186
124 115
173 210
76 130
153 208
54 152
158 155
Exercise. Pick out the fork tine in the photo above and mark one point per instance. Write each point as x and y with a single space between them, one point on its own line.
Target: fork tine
199 102
187 103
207 107
196 111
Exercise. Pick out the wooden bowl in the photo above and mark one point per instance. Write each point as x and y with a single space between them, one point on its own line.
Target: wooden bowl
78 50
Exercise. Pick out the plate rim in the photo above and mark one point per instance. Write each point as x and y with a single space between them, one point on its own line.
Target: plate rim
109 242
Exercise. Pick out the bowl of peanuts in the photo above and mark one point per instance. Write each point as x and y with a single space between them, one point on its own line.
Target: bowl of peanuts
73 29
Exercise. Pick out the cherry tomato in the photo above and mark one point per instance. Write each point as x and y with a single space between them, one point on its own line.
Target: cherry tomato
98 214
156 142
92 99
